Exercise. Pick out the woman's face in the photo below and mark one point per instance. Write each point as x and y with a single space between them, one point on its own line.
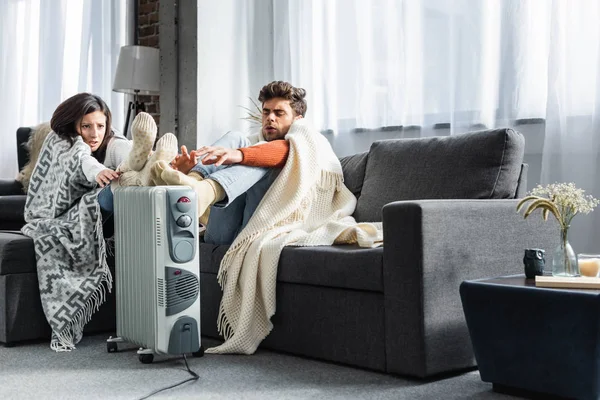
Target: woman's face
92 128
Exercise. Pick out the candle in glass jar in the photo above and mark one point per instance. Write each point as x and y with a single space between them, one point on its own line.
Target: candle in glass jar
589 265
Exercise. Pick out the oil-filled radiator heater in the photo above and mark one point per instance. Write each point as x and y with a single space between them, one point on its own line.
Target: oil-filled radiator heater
157 271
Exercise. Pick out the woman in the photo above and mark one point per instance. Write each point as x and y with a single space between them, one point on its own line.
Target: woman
87 116
63 212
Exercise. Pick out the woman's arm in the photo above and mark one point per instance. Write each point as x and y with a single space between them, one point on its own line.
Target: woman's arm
117 151
95 171
91 167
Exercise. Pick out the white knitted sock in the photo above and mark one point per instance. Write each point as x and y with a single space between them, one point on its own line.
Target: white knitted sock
130 178
203 219
143 130
166 150
127 177
208 191
196 175
156 170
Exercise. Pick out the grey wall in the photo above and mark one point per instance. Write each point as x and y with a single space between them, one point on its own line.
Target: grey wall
178 66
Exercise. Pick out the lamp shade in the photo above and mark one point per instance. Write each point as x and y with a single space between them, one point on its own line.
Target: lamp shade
137 70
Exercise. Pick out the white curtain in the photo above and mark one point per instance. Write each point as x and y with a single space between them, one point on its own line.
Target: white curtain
235 58
377 69
571 150
49 51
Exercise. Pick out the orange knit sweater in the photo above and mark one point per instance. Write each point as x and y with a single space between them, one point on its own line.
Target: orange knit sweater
273 154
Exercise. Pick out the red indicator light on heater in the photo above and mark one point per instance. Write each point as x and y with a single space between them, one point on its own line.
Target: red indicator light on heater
177 272
184 199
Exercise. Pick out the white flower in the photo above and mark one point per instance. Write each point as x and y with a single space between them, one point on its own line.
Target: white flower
563 200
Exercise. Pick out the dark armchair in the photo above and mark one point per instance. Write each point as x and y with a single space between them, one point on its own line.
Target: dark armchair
12 196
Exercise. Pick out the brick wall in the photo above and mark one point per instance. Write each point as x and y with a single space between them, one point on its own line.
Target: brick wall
148 36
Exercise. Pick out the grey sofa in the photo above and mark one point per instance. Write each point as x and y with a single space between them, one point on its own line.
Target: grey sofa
395 309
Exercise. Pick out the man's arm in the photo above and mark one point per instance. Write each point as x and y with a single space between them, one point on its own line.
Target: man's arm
270 155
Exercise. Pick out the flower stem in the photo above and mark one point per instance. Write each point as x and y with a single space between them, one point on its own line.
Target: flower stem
563 235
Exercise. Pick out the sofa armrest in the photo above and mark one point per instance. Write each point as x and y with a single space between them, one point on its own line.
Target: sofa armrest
12 212
9 187
430 247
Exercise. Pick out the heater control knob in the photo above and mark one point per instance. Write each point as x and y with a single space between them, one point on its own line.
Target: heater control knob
183 251
184 204
184 221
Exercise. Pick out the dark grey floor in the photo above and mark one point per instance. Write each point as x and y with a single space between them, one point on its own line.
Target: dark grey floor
33 371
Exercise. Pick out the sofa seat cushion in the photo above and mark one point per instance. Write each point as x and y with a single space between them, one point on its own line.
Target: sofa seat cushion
475 165
340 266
17 255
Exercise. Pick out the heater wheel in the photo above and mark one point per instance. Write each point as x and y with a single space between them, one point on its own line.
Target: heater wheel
146 358
112 347
199 353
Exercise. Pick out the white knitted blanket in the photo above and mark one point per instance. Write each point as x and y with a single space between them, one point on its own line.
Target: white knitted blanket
307 205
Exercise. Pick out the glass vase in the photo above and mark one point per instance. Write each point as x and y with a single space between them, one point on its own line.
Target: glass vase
564 261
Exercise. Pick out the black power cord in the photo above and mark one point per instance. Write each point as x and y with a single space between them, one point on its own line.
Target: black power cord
193 378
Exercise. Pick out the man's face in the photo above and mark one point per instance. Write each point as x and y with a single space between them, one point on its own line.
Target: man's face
277 117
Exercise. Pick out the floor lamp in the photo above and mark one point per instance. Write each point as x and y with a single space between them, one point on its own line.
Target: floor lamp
138 73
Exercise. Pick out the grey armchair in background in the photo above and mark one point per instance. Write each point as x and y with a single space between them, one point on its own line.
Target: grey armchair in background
12 196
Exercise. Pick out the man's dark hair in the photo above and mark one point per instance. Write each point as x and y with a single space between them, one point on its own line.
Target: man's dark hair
285 91
72 110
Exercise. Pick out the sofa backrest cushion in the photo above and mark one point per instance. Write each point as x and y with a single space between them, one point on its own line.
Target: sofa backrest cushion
475 165
522 184
354 171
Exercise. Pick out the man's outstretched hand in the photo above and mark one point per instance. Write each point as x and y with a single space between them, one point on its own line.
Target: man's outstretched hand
185 161
219 155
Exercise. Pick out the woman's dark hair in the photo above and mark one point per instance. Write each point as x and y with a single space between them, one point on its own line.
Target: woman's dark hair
286 91
72 110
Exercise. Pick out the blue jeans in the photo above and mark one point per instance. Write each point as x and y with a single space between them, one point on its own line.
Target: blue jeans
106 201
244 187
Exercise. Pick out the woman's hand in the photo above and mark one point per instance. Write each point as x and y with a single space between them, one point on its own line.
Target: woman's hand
219 155
184 162
105 176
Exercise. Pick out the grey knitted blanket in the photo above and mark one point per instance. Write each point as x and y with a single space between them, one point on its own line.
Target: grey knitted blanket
63 219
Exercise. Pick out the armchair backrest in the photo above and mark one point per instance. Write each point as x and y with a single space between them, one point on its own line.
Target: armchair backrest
22 151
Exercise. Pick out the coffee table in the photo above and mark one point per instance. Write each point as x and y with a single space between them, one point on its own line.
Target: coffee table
529 340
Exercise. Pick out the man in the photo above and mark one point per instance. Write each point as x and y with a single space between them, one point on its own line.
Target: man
307 205
236 171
